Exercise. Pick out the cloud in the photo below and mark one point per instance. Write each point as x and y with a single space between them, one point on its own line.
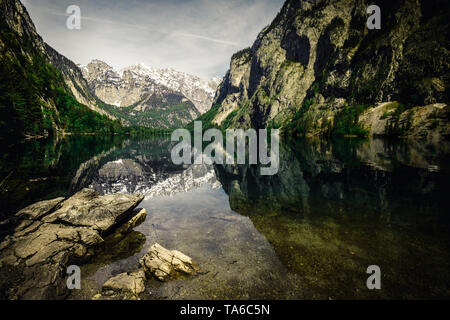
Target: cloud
230 43
195 36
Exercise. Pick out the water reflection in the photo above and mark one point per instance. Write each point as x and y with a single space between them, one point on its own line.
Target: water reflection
142 167
336 208
345 178
310 231
43 169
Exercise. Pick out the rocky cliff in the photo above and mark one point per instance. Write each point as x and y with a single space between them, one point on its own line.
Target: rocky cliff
317 67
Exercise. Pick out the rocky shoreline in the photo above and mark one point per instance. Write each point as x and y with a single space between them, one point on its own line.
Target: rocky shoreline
47 237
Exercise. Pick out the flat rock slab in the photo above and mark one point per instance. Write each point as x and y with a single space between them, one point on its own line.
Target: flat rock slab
50 235
164 264
87 208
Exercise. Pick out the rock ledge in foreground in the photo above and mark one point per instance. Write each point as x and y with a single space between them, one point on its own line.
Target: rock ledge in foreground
50 235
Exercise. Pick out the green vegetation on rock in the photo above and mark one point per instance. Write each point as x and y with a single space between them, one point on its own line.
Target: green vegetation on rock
346 122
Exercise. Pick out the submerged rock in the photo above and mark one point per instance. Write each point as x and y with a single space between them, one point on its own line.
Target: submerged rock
164 264
98 296
158 262
50 235
127 282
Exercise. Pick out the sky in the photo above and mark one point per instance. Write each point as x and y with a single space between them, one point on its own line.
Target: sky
195 36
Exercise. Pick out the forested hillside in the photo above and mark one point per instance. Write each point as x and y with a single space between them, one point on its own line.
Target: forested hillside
34 100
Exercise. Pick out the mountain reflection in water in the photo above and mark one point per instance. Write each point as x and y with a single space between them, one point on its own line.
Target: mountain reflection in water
336 208
310 231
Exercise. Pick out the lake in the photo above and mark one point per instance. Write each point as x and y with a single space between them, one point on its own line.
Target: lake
308 232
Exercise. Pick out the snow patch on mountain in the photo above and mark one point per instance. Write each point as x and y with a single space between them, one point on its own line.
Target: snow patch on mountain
99 74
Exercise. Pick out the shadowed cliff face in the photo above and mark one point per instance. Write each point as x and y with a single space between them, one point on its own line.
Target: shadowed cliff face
317 57
334 208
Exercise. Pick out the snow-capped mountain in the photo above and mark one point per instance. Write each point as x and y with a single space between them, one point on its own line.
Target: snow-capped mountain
196 89
127 86
137 99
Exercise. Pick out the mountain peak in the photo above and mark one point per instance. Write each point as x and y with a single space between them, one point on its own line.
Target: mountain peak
140 69
99 63
199 91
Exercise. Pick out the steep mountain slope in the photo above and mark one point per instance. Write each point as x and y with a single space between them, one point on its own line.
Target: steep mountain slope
75 81
318 67
158 97
35 97
17 18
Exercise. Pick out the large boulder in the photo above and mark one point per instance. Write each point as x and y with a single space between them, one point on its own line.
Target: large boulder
102 213
50 235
